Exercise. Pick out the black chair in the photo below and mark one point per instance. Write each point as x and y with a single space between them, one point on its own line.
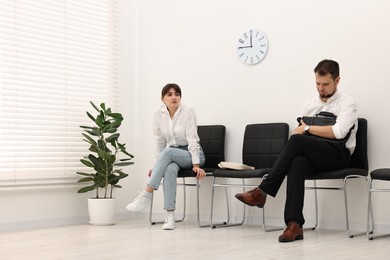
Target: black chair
212 141
261 147
382 174
358 169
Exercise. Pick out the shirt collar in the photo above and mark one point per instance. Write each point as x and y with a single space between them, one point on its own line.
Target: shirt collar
165 110
332 98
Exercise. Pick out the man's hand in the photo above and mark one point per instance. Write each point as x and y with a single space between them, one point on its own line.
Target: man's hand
300 130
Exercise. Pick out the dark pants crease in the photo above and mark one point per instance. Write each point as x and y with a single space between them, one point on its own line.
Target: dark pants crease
302 156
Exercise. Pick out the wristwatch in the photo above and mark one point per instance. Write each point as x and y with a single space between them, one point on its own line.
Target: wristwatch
307 128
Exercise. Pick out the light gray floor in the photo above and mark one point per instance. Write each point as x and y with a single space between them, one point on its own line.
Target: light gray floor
136 239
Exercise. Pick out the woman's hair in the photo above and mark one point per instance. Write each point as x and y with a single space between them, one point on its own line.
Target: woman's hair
168 86
328 66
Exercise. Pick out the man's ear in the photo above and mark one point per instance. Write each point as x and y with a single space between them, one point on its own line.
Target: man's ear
337 80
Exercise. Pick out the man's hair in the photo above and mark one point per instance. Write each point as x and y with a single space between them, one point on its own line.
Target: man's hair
168 86
328 66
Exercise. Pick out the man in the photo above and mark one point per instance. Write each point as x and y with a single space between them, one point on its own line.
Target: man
304 154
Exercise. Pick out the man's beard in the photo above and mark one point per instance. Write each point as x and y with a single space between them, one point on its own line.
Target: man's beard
328 95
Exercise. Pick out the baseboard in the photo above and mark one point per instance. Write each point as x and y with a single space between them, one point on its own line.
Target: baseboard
52 222
43 223
159 216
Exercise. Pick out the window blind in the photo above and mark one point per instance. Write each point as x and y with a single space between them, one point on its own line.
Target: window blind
55 57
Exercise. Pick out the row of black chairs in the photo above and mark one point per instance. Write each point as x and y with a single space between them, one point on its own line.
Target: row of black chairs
262 145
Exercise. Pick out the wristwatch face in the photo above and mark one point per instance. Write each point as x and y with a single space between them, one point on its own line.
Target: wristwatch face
307 128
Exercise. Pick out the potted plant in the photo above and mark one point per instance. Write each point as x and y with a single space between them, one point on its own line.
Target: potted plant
105 162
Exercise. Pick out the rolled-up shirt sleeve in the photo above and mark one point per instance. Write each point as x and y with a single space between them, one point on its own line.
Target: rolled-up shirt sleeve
346 118
192 137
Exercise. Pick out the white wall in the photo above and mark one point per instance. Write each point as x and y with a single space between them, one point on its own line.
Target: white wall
193 43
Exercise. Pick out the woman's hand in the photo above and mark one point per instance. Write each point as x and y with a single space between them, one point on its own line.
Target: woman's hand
200 173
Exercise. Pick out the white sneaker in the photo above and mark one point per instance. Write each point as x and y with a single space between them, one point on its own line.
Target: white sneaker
169 222
140 202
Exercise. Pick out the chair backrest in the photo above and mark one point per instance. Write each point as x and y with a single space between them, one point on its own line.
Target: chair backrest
212 141
359 158
263 144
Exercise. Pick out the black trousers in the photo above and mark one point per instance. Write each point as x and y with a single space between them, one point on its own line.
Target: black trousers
302 156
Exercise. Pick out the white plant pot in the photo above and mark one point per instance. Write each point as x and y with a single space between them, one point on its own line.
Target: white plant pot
101 211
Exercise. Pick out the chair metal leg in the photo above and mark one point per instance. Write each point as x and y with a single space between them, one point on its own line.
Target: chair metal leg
198 205
346 208
370 211
265 228
346 204
370 228
344 189
228 223
225 223
315 206
152 222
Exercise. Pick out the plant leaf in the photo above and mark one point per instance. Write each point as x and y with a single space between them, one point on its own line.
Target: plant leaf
124 163
87 163
94 106
85 174
86 179
86 189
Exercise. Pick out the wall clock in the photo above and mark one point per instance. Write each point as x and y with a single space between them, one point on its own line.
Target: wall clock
252 46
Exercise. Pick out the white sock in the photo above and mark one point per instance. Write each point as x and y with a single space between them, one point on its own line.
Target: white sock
171 213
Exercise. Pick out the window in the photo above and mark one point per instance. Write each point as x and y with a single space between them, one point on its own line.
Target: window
55 57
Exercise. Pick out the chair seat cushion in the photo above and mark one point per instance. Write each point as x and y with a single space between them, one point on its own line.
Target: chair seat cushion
337 174
381 174
256 173
189 173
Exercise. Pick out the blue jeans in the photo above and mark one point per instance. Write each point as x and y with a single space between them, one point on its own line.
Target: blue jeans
167 165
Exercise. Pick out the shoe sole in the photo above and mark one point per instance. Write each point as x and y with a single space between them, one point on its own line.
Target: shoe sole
284 240
257 205
137 209
168 228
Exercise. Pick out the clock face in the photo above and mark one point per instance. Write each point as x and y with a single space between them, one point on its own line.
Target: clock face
252 46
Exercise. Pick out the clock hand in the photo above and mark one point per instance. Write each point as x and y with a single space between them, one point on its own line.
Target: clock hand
243 47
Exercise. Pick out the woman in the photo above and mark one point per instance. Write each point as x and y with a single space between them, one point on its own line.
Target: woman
177 148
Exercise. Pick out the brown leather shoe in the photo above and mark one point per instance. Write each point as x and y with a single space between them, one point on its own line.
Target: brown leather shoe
291 233
253 197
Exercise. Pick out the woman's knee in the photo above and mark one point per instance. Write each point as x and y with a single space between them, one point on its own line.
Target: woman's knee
167 153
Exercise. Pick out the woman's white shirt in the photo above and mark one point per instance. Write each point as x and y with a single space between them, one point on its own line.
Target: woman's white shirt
181 130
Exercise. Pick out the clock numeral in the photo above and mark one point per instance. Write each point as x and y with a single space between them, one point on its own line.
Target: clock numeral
252 46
